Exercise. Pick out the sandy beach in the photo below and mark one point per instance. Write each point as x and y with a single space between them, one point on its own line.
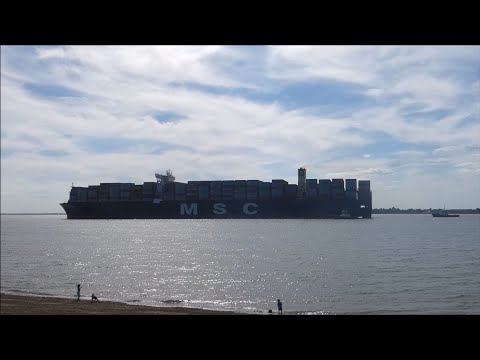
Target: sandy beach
35 305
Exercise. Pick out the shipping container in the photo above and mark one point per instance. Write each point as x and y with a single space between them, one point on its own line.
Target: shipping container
350 184
180 188
251 196
324 186
337 183
277 191
363 184
311 183
351 194
337 194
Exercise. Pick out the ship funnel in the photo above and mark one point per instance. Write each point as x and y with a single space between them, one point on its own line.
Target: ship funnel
302 179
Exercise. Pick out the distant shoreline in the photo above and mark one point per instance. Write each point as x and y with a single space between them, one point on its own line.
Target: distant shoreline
422 211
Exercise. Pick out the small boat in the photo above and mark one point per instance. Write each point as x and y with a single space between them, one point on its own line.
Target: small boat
443 213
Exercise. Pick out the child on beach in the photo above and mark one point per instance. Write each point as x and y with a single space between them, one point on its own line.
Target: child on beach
78 291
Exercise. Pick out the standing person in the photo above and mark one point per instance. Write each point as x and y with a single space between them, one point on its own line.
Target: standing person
78 291
279 305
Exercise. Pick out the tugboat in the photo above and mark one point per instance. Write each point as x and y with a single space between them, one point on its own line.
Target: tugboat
443 213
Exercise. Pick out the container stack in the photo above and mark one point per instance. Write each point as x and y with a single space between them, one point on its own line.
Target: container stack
148 191
168 191
125 189
278 186
311 190
203 190
228 188
324 189
364 191
104 192
291 191
78 194
338 189
92 193
180 191
216 190
351 189
114 191
192 191
136 193
264 190
252 190
240 189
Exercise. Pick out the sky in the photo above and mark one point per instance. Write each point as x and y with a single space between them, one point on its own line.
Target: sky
404 117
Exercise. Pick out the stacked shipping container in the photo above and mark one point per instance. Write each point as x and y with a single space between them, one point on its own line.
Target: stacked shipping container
252 190
311 187
337 189
324 188
227 190
364 191
264 190
216 190
277 187
351 189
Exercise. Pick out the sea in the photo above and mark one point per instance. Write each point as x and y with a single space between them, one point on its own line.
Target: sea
390 264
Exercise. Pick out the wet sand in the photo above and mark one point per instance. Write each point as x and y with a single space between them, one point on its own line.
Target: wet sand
35 305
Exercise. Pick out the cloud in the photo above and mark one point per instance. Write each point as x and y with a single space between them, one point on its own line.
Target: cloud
306 63
93 114
375 92
160 64
426 90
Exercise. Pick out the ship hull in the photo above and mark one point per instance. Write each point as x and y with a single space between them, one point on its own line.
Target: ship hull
208 209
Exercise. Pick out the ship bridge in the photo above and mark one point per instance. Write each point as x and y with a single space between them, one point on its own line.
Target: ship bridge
163 179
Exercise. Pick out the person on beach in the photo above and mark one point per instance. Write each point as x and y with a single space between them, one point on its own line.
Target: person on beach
78 291
94 298
279 305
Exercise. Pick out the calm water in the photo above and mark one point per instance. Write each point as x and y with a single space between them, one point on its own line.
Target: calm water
391 264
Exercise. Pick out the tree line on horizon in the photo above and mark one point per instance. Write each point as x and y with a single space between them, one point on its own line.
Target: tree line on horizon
395 210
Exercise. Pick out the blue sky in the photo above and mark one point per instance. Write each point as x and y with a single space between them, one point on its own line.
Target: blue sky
405 117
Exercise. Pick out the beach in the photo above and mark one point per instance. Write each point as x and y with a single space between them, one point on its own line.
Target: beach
36 305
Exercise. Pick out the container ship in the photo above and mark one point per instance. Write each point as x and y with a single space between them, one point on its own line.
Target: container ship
166 198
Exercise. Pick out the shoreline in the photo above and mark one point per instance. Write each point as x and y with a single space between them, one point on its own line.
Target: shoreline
48 305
